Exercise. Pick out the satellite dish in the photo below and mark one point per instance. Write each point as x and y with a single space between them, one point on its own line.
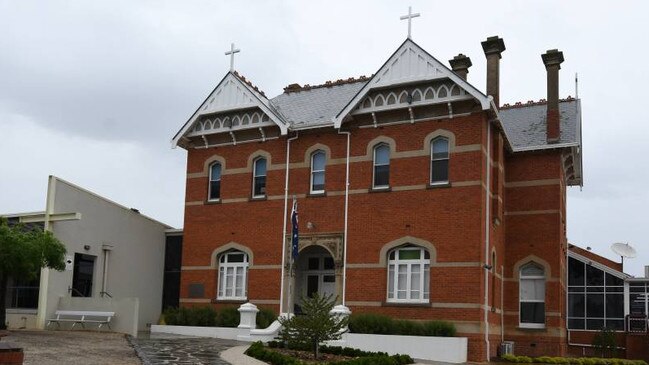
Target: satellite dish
624 250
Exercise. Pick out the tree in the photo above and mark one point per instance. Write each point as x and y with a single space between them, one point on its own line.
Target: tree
315 326
23 252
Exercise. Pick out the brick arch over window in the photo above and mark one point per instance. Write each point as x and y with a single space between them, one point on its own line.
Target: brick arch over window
378 140
316 147
212 159
257 154
383 255
227 247
531 258
440 133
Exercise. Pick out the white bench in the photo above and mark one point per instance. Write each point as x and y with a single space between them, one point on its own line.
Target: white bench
82 317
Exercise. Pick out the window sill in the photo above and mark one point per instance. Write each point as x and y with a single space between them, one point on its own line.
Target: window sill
229 301
438 185
383 189
213 201
531 328
258 198
405 304
317 194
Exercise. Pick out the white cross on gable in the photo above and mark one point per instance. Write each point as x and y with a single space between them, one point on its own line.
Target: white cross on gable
409 17
231 53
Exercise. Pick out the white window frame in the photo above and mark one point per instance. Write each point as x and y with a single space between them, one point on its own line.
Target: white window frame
421 262
433 159
224 265
520 300
313 171
255 176
375 165
210 180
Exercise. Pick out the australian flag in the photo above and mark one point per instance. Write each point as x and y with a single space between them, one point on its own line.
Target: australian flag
294 235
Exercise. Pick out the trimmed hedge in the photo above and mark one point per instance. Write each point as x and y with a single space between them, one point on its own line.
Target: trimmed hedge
377 324
570 360
207 316
260 352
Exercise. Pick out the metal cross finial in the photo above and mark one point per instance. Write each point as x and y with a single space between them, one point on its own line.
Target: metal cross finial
231 53
409 17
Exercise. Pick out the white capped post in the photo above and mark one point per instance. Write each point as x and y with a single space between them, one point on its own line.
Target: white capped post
409 17
231 53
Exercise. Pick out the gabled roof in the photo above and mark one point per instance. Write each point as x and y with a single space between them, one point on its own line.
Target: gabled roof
232 93
409 63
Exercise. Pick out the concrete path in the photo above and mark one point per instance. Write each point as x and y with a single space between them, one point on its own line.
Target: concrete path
73 348
164 349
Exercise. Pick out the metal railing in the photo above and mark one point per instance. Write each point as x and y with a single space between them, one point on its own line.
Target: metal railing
23 297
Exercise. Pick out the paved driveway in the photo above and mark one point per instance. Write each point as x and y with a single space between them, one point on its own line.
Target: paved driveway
73 348
158 349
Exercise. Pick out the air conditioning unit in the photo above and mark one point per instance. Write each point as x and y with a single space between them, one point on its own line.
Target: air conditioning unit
506 348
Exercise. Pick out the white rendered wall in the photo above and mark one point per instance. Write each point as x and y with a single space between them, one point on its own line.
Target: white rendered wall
135 263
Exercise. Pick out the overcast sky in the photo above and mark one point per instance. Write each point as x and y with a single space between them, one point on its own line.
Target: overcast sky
92 91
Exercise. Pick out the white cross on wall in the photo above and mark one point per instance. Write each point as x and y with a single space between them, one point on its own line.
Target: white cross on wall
231 53
409 17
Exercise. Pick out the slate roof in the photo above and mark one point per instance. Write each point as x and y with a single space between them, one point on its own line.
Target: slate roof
525 125
315 106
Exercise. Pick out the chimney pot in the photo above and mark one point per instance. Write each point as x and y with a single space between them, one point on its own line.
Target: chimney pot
493 47
552 60
460 64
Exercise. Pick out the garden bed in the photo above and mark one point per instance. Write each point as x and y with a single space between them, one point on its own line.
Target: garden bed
569 360
276 354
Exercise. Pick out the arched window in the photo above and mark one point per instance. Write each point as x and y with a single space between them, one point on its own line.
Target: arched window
409 275
214 188
233 275
381 166
439 161
259 178
532 295
318 161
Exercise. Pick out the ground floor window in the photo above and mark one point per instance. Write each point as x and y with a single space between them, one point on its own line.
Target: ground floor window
233 276
409 275
23 293
532 295
595 298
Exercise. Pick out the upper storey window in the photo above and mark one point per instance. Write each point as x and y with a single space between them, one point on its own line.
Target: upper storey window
214 188
381 166
439 161
259 178
318 161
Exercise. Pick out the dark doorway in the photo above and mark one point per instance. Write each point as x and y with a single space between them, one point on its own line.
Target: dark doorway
173 261
84 268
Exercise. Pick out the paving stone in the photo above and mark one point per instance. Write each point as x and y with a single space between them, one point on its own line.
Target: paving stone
179 350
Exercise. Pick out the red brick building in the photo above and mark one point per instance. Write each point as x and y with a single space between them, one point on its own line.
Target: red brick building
419 197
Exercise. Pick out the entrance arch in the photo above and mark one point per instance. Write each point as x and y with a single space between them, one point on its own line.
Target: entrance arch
315 272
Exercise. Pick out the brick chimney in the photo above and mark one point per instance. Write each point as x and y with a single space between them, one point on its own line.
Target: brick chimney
460 64
492 48
552 60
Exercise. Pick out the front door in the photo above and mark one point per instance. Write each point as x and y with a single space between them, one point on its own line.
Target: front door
320 277
84 268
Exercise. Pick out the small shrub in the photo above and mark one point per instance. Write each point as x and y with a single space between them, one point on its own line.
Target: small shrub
204 316
265 318
383 325
524 359
228 317
370 323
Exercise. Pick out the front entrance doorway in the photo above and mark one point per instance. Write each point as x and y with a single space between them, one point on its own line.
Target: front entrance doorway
84 268
315 273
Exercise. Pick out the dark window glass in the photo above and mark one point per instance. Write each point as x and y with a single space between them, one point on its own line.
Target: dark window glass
636 288
615 324
636 304
595 305
314 263
614 306
84 267
594 324
594 276
595 289
576 306
235 257
613 280
575 272
439 161
576 324
328 279
576 289
381 165
532 312
260 177
328 263
311 285
215 181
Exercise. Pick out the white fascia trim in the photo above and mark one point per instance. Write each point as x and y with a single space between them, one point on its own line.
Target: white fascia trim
546 147
597 265
262 103
482 98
